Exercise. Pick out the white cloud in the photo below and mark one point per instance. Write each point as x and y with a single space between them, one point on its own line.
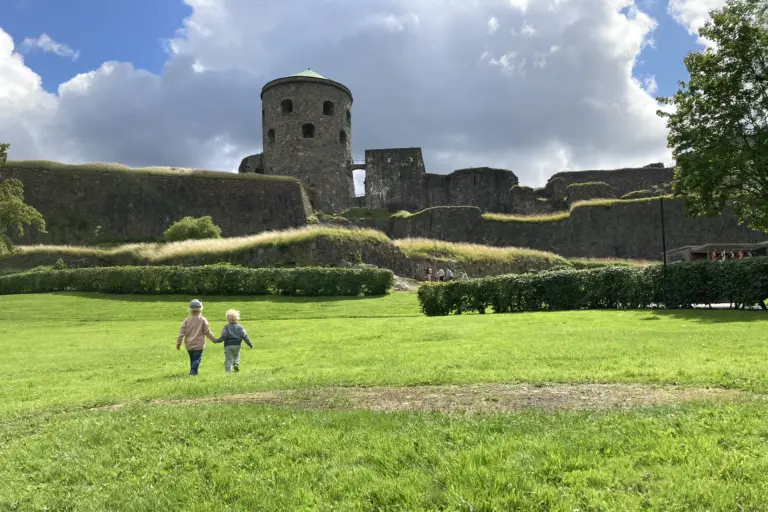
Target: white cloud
45 44
565 98
693 14
493 24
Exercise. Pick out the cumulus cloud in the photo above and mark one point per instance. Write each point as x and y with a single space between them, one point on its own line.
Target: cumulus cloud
693 14
45 44
429 73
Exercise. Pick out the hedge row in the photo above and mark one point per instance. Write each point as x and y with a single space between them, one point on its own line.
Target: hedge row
212 280
741 282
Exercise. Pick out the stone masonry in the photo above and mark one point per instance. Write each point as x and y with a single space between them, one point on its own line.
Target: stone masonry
307 135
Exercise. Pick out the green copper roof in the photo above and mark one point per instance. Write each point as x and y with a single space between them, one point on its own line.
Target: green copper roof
311 74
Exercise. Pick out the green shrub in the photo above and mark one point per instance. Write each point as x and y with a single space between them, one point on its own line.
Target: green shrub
740 282
207 280
638 194
190 228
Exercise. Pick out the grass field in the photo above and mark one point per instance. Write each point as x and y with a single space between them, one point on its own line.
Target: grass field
97 413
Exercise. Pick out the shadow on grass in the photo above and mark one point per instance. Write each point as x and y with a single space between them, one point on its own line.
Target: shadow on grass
712 316
214 299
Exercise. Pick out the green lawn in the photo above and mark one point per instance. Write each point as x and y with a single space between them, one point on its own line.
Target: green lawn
64 354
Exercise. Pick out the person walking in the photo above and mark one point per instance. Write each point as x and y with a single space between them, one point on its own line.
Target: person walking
441 275
194 329
233 336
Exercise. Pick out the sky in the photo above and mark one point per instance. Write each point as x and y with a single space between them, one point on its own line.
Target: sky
534 86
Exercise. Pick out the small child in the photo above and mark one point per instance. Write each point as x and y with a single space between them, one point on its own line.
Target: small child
194 330
233 336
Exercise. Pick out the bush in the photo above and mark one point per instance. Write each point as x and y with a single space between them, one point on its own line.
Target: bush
740 282
190 228
60 264
207 280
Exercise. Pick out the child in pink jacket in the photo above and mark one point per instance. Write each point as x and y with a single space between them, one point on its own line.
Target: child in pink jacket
194 330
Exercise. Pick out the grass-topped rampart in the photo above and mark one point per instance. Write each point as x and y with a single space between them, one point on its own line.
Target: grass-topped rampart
155 170
308 246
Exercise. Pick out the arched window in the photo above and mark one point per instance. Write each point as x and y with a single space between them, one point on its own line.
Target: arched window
328 108
343 137
349 117
271 136
308 131
286 106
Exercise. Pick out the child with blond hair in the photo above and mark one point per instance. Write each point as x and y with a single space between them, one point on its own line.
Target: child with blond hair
194 330
233 336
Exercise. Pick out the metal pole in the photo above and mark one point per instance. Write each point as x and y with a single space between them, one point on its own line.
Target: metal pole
663 232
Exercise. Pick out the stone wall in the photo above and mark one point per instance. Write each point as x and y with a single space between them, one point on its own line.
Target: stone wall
92 206
623 181
484 187
394 179
253 164
321 162
590 190
627 229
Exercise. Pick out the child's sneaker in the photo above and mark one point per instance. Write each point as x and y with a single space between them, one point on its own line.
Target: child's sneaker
237 367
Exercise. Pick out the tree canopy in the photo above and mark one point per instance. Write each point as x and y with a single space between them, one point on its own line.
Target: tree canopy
13 212
718 123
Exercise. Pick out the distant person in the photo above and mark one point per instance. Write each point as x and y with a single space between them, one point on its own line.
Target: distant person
233 336
194 330
441 275
449 275
429 273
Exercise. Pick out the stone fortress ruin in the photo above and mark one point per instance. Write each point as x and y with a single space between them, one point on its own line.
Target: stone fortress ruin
307 135
304 175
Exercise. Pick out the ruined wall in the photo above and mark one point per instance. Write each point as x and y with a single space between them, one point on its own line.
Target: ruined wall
590 190
625 229
623 181
484 187
91 206
253 164
394 179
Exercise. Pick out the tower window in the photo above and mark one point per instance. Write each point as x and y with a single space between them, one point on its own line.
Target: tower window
271 135
328 108
308 131
343 137
349 117
286 106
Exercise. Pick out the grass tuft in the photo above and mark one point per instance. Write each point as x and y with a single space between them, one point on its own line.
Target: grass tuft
519 258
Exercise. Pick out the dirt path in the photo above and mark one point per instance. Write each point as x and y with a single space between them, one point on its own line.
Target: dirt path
492 398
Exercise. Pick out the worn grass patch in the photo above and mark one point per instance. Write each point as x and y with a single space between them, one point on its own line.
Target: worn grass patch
517 259
115 167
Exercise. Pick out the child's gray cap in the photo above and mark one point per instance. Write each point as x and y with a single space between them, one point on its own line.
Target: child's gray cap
195 304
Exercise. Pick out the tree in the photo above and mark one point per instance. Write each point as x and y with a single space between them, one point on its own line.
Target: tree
13 212
189 228
718 126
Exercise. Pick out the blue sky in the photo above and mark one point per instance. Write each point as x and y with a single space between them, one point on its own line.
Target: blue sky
534 86
101 30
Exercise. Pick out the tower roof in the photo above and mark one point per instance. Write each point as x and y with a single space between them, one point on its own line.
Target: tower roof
306 76
311 74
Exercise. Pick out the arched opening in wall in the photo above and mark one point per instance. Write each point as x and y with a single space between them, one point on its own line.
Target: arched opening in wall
349 117
358 177
328 108
286 106
271 136
343 137
308 131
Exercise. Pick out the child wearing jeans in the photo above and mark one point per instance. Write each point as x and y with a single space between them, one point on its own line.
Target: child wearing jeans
194 330
233 336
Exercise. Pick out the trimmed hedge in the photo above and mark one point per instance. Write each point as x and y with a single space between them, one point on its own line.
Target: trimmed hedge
741 282
206 280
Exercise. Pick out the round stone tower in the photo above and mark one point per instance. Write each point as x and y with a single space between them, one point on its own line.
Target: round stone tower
307 134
